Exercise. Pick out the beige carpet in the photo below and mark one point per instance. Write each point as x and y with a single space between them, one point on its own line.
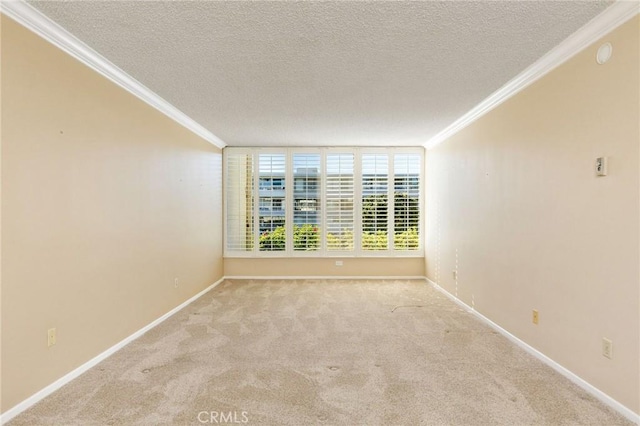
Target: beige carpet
329 352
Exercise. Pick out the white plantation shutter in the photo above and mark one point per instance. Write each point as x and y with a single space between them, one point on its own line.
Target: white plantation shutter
339 211
323 201
272 201
375 202
306 202
406 205
239 202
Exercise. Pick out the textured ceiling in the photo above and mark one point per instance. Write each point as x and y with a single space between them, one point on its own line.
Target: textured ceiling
323 73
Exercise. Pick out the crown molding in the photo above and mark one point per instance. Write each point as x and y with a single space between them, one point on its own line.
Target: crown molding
612 17
34 20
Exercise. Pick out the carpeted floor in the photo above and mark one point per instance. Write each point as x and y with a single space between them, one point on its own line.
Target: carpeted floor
330 352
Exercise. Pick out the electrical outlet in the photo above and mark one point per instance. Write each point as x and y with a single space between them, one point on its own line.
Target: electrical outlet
339 263
535 316
455 275
601 166
175 283
51 337
607 348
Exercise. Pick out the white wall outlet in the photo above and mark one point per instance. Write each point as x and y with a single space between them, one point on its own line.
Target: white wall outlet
601 166
175 282
339 263
51 337
607 348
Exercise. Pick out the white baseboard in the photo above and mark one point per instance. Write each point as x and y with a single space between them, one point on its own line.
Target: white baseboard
597 393
38 396
324 277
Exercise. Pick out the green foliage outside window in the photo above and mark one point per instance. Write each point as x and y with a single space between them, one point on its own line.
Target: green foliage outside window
374 213
377 240
407 240
342 241
274 240
307 238
374 226
406 211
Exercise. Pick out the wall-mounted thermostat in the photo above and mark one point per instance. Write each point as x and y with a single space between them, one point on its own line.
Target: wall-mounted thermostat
601 166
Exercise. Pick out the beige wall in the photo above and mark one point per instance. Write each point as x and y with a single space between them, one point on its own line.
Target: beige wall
514 204
104 202
352 267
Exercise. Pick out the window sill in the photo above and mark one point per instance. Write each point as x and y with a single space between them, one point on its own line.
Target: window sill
417 254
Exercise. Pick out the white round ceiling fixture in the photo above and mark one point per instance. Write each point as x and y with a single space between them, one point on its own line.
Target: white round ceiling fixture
604 53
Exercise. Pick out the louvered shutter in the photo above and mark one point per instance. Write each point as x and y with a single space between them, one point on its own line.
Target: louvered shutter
272 196
239 202
306 202
406 208
339 201
375 202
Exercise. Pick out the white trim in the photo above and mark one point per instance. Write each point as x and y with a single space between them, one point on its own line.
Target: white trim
41 394
38 396
327 255
324 277
597 393
611 18
34 20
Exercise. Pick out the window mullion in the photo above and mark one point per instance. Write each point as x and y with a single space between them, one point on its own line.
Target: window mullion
288 202
391 183
357 202
323 202
256 201
421 203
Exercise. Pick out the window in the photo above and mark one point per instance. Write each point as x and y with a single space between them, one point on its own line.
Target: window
306 216
406 201
324 201
339 195
239 202
375 202
272 218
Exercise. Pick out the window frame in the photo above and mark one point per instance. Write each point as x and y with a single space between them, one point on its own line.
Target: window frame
287 217
325 230
390 194
225 178
289 200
